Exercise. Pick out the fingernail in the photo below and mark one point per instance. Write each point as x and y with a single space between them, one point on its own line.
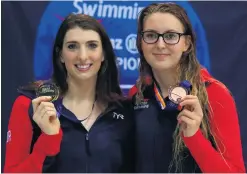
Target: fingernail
179 107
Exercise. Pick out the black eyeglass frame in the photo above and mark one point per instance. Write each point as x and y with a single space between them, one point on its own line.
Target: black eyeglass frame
162 35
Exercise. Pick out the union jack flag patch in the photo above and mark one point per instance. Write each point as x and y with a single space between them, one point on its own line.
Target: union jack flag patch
8 136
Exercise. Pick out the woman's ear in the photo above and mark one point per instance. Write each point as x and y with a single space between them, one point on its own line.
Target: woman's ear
61 59
187 43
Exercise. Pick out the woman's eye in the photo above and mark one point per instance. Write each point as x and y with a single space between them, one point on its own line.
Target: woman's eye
92 45
171 36
72 46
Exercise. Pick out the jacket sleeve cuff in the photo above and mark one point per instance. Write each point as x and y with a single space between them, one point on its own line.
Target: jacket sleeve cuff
195 140
49 145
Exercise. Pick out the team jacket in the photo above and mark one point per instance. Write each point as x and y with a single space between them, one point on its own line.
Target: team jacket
155 127
108 147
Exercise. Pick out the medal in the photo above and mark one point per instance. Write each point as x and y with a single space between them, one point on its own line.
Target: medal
175 94
48 89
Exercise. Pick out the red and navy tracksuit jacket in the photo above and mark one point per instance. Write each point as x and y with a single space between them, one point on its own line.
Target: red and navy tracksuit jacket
108 147
155 127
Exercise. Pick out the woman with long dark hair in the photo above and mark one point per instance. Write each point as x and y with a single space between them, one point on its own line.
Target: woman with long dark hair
77 121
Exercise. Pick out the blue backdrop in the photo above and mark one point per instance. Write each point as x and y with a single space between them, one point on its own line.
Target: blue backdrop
119 20
29 28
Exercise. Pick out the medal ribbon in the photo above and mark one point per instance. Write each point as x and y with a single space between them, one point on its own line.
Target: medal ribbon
159 97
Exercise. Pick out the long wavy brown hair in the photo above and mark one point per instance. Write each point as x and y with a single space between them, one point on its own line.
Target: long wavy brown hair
188 68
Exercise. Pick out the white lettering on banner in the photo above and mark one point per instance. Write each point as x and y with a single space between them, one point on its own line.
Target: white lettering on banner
130 43
117 44
130 63
107 10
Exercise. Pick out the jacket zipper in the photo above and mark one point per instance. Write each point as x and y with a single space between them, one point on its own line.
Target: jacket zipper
87 136
87 150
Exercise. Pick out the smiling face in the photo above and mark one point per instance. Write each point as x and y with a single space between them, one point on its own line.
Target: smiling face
82 54
165 53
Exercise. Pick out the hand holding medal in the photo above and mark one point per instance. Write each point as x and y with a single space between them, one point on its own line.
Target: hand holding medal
190 117
45 114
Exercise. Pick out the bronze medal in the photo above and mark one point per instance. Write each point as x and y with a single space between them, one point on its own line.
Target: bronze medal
177 93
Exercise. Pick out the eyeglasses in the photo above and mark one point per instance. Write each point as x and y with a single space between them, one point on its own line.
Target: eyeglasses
171 38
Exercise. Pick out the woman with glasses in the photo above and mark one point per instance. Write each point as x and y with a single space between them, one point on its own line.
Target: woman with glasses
186 121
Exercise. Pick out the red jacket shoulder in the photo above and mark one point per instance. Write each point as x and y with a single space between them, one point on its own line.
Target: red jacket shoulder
132 91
